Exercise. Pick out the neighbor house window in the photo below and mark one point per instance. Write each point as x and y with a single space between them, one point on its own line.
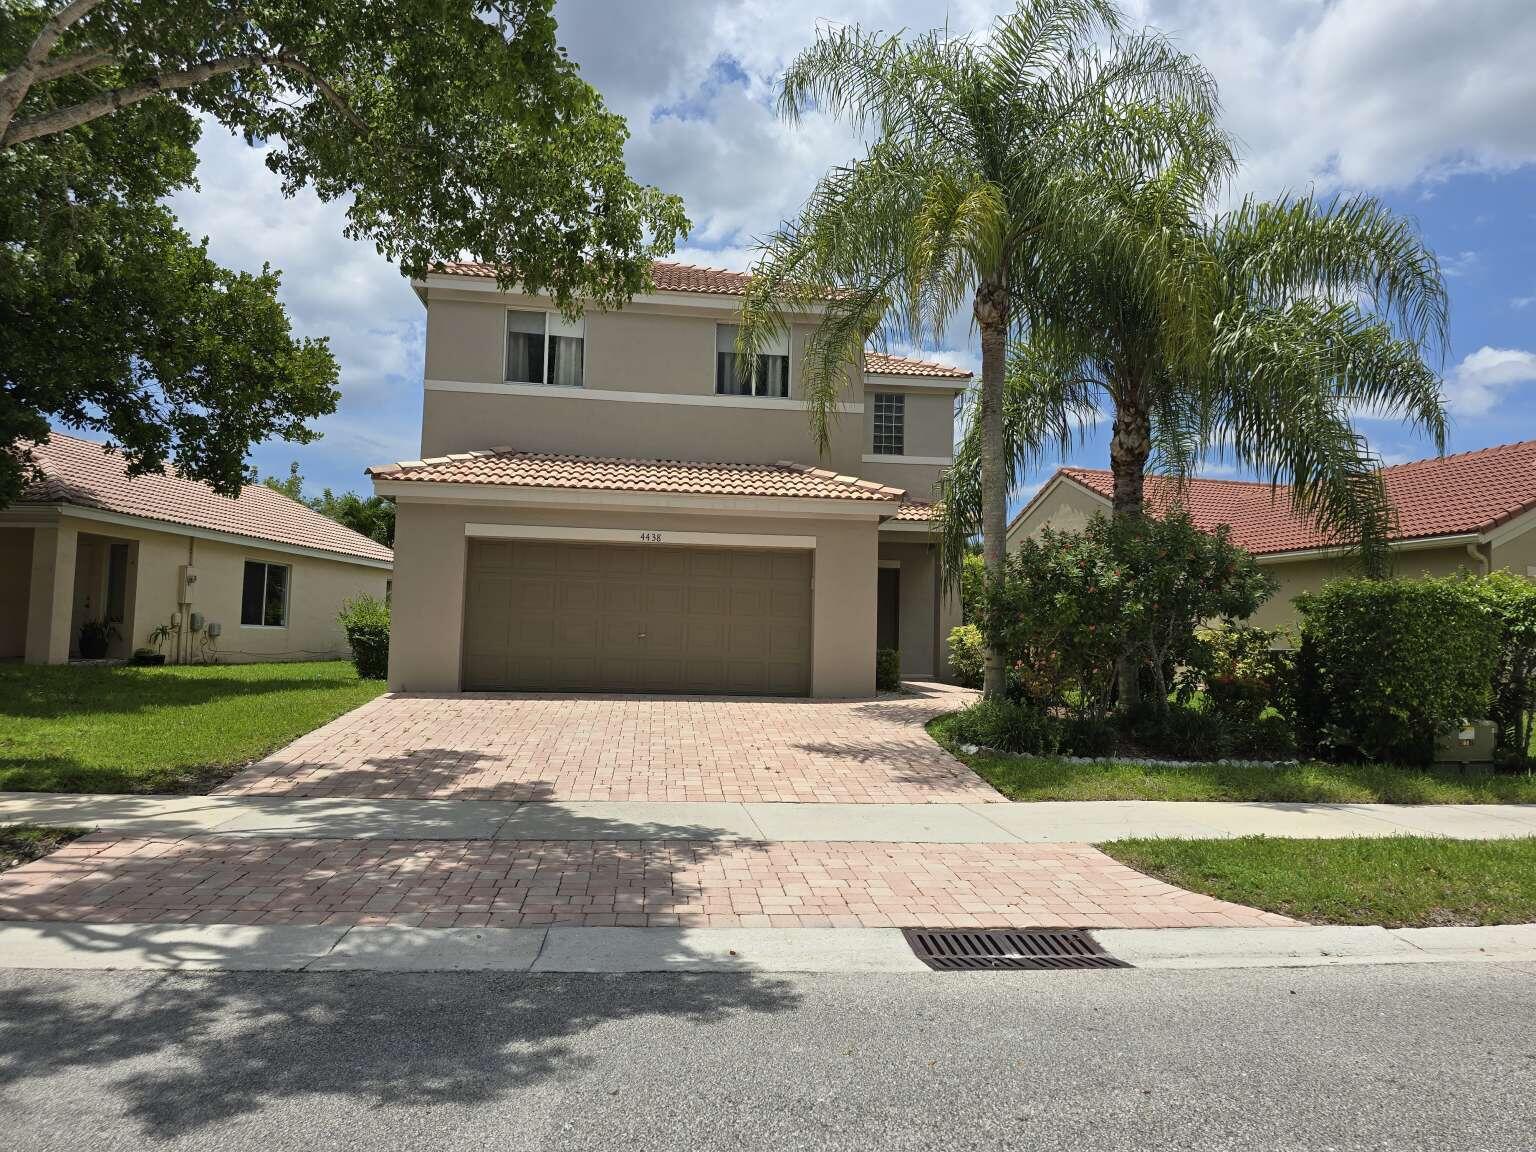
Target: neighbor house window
544 348
766 374
264 596
890 424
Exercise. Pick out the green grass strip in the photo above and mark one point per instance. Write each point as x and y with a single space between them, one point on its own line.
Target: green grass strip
1394 881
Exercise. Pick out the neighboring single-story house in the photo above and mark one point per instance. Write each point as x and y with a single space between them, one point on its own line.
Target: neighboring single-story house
263 575
1474 512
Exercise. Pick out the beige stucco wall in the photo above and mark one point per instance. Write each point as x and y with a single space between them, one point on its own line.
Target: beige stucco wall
1065 508
1518 553
656 350
63 589
15 582
427 618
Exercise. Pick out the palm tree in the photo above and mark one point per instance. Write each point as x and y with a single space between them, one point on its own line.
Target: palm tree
974 182
1256 334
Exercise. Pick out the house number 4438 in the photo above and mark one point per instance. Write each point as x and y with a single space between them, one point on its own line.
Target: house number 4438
651 537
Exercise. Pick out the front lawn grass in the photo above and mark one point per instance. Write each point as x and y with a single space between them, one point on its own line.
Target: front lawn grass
1044 778
23 843
1395 881
181 729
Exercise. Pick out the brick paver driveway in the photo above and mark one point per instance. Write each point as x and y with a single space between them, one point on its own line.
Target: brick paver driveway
511 883
655 748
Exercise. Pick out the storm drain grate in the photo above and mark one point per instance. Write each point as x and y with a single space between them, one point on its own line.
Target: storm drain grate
1038 948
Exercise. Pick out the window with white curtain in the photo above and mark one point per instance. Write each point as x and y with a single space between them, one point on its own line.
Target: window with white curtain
736 375
544 348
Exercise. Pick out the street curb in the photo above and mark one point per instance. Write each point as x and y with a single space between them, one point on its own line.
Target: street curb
293 948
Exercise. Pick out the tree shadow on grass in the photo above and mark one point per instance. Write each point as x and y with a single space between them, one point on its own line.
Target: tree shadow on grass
53 692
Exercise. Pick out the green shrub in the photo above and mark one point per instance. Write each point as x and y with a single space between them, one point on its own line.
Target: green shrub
1242 672
366 623
1070 603
1512 601
1268 737
887 669
1009 726
1089 736
973 587
967 655
1393 664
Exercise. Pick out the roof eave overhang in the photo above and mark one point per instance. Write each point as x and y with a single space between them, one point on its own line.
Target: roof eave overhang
917 383
505 495
1416 544
710 301
175 528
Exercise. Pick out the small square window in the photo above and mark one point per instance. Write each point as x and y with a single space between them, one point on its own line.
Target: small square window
890 424
264 595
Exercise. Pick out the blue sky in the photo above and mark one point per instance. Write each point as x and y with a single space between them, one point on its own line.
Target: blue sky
1427 103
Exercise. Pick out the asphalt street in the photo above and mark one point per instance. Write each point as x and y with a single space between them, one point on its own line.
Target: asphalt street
1434 1056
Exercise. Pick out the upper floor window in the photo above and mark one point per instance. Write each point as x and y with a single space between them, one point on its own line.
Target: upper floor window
735 376
890 424
264 595
544 348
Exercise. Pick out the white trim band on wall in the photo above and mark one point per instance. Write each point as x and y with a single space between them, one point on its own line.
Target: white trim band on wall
565 392
659 536
877 458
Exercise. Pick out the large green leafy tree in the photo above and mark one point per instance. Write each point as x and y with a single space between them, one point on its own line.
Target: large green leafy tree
451 127
1255 335
974 179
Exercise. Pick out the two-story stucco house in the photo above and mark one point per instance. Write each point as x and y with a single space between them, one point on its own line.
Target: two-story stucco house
621 503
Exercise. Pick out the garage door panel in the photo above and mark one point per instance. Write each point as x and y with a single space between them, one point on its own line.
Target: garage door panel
542 615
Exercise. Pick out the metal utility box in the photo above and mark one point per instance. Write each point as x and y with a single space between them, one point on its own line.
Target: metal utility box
1471 743
186 584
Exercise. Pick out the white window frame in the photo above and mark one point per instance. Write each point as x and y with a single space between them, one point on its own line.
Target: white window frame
874 427
554 325
287 591
777 345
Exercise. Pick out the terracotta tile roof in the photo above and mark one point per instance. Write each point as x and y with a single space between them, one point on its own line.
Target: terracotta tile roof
665 277
84 473
879 364
1455 495
510 468
915 510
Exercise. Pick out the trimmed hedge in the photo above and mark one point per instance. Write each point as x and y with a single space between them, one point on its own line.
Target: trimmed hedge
365 620
1388 666
887 669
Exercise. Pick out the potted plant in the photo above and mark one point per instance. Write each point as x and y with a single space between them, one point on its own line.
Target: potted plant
96 637
148 656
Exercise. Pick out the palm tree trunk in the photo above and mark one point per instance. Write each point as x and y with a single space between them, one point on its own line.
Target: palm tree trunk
991 311
1129 447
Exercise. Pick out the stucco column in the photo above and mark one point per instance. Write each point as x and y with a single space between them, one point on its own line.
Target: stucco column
843 613
51 598
426 611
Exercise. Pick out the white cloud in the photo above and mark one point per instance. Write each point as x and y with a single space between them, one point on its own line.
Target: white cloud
1520 303
1485 378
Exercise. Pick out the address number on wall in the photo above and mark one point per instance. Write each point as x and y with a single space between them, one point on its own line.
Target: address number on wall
650 537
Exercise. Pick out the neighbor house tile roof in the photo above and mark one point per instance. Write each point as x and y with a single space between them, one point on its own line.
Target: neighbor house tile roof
510 468
85 474
879 364
1451 496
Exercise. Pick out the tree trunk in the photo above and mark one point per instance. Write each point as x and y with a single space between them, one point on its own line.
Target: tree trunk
991 311
1129 447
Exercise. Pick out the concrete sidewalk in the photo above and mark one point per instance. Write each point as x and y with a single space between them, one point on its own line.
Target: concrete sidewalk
1038 823
226 947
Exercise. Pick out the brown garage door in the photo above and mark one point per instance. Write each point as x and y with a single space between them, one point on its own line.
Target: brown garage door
547 616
